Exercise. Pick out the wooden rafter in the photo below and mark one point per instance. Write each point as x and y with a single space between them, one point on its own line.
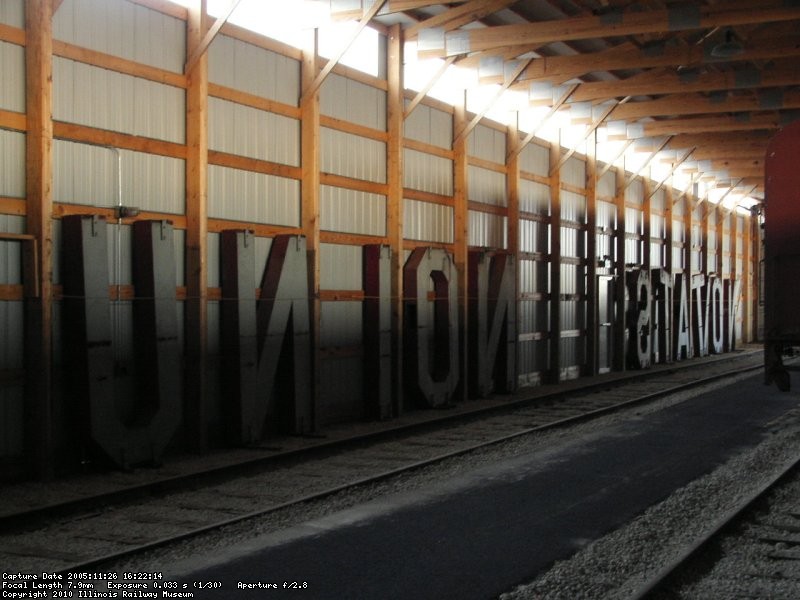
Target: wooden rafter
650 158
458 16
553 110
315 85
428 86
610 163
672 170
628 23
589 131
718 124
696 104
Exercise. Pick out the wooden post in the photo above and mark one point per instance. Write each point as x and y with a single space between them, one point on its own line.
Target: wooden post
394 204
618 363
460 235
590 367
669 232
196 307
688 223
719 232
513 187
310 160
555 263
39 208
647 218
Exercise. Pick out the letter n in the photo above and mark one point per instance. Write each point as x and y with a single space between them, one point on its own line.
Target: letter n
492 323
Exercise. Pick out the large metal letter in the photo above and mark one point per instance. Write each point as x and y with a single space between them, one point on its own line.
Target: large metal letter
492 323
699 316
714 298
144 436
432 374
377 331
733 293
640 340
662 305
238 349
283 325
681 340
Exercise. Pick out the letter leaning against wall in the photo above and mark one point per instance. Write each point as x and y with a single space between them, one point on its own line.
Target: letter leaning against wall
640 323
88 335
431 374
377 325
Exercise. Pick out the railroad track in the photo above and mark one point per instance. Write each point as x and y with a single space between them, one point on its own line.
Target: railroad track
82 536
752 551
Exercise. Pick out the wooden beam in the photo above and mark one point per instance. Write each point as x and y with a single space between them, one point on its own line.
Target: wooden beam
394 204
200 48
428 86
590 130
463 133
629 56
694 104
555 266
591 366
672 170
553 110
454 18
196 306
310 201
314 86
627 23
38 416
715 124
680 83
610 163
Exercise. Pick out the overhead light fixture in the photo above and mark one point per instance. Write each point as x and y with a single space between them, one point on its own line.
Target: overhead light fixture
729 48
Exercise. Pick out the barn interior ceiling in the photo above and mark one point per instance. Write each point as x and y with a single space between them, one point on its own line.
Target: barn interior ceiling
695 87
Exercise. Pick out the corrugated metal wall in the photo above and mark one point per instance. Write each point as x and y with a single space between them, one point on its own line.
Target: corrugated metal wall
123 29
253 197
430 126
351 211
12 12
353 101
352 156
487 143
535 159
242 66
658 229
12 165
427 173
427 222
12 66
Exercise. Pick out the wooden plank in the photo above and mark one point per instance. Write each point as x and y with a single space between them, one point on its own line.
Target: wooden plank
341 295
460 229
246 99
489 209
555 266
350 239
394 202
353 128
428 86
118 64
13 120
428 148
553 110
245 163
474 10
489 165
104 137
695 104
196 307
350 183
12 291
12 35
714 124
39 425
413 194
258 229
310 195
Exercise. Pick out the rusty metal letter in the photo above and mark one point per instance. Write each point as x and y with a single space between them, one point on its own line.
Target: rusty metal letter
681 338
733 295
377 327
662 307
699 316
492 323
714 298
431 336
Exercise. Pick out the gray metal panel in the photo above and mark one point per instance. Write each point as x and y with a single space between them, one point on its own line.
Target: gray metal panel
658 200
123 29
487 230
427 221
107 100
12 164
11 252
85 174
606 214
532 236
607 185
487 143
535 159
488 187
352 156
340 324
534 197
353 101
340 267
573 206
573 172
430 126
253 197
12 12
635 192
352 211
12 66
212 260
247 131
251 69
427 173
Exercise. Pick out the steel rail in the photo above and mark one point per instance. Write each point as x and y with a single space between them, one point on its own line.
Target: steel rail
558 423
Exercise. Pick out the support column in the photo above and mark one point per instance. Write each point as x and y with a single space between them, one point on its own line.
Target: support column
196 306
394 204
647 222
618 363
39 208
512 185
310 160
460 234
669 232
555 263
688 223
591 255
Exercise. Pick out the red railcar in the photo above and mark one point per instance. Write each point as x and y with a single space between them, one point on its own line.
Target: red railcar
782 253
